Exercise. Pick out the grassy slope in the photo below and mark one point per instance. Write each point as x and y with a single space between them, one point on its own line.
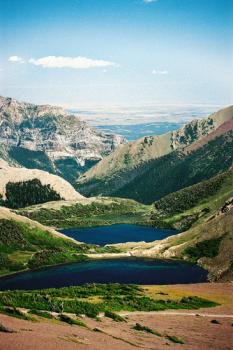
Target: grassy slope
91 299
204 204
177 170
27 244
154 179
209 240
217 261
126 158
219 265
208 243
127 163
99 212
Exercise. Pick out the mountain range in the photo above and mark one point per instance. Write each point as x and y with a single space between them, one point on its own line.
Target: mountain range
154 166
181 179
48 138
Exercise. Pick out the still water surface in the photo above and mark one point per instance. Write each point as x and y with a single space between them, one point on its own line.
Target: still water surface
125 270
119 233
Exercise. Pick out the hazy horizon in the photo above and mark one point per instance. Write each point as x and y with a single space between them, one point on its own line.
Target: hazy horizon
125 52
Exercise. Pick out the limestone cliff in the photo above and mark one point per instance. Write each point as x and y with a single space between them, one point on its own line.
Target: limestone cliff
48 138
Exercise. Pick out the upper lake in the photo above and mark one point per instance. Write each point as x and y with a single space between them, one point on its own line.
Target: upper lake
119 233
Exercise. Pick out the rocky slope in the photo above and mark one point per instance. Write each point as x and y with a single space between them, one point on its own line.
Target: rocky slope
48 138
120 173
17 174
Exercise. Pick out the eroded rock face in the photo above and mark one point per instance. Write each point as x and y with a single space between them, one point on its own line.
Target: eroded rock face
192 132
199 129
53 131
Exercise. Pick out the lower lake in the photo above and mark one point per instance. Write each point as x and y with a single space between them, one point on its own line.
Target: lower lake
119 233
124 270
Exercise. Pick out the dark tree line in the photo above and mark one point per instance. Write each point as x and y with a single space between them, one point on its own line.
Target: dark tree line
182 200
25 193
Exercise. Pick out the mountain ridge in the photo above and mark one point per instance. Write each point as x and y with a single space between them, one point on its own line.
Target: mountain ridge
70 145
120 169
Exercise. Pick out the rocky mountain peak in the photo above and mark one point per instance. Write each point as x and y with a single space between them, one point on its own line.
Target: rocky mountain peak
17 111
69 144
200 128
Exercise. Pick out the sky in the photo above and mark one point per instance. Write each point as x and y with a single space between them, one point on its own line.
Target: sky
117 52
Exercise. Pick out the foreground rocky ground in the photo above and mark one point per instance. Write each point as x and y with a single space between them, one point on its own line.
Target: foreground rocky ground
196 329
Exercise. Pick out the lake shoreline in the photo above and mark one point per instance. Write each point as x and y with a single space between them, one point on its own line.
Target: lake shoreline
118 269
100 257
118 233
128 251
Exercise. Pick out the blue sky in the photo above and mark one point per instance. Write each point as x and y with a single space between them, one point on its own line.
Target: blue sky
117 52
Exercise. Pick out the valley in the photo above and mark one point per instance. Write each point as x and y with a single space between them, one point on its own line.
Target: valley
181 180
119 243
116 175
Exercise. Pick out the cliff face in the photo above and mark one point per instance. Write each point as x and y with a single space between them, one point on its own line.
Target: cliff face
69 143
198 130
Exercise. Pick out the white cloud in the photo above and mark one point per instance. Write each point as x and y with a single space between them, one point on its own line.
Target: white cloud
162 72
70 62
149 1
16 59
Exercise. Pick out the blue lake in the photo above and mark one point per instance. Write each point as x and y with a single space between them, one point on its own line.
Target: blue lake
125 270
135 131
117 234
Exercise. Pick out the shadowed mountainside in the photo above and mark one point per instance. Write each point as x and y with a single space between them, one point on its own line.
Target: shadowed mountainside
116 172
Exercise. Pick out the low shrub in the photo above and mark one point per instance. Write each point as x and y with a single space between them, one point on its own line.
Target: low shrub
174 339
41 313
71 321
207 248
16 313
11 235
215 322
141 328
5 329
114 316
114 297
97 330
54 256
